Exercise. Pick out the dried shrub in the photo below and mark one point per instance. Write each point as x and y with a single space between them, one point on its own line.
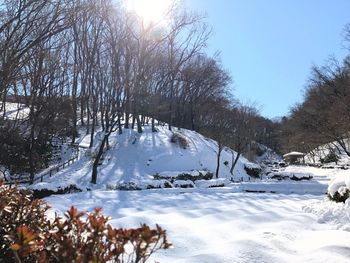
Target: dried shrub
252 171
26 234
180 140
330 158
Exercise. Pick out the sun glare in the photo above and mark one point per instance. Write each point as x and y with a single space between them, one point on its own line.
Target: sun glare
151 11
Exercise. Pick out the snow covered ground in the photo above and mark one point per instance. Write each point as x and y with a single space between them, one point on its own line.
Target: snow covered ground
218 225
251 220
138 157
15 111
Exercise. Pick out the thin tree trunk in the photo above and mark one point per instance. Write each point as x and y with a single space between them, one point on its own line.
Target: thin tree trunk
218 161
138 122
133 122
127 116
234 161
98 158
153 126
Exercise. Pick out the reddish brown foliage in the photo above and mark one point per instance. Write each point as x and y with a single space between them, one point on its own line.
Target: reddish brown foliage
26 235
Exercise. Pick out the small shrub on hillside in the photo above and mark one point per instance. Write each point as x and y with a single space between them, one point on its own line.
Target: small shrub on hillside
179 139
226 163
330 158
26 234
252 171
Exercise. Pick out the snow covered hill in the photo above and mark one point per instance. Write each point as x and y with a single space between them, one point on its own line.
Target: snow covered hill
321 153
135 157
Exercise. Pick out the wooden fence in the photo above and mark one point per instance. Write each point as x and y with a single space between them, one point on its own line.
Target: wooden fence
49 173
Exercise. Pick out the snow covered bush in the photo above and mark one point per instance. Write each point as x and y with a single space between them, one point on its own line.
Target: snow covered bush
282 175
339 188
183 184
252 169
190 175
330 158
27 235
39 191
140 185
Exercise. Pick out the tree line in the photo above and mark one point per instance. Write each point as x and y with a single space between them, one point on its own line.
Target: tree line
91 63
324 115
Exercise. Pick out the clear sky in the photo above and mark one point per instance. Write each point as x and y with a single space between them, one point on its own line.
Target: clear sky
269 46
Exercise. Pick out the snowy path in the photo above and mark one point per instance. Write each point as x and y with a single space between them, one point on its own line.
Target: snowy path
217 225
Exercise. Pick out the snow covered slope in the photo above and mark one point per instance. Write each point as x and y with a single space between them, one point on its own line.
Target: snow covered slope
138 157
15 111
320 153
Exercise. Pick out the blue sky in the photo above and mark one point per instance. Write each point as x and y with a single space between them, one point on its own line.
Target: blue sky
269 46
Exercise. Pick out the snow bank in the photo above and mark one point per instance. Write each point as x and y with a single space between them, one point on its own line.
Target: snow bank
212 183
284 187
194 173
283 175
337 214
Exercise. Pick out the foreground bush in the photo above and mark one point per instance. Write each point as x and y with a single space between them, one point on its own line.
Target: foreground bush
27 235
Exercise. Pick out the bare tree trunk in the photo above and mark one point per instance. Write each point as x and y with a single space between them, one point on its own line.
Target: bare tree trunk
153 126
133 122
138 122
127 116
234 161
98 158
218 161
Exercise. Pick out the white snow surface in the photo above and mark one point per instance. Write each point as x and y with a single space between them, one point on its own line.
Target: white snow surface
282 221
336 214
138 157
218 225
15 111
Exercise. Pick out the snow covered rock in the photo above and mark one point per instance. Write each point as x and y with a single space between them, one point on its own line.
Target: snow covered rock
183 184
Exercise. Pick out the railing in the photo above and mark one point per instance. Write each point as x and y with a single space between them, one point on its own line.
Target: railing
56 168
40 177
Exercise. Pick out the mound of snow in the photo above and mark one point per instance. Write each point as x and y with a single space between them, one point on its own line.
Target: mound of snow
212 183
337 214
339 184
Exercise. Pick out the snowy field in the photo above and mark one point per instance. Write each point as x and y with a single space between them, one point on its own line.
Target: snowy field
217 225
